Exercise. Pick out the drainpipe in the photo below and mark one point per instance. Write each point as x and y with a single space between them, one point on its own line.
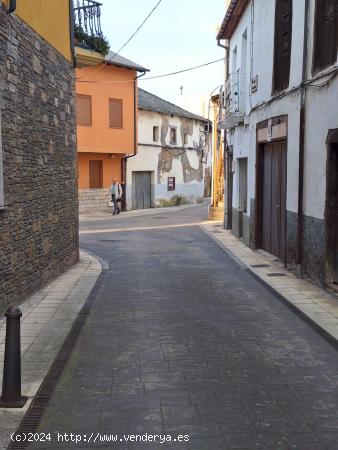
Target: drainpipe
72 32
302 125
12 7
124 160
227 169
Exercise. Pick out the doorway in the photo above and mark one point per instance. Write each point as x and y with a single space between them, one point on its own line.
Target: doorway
332 214
141 190
273 207
95 174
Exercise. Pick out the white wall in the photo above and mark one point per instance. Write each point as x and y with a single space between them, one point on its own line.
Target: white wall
321 107
148 119
147 158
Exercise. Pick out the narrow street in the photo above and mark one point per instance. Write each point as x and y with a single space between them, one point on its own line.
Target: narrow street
181 340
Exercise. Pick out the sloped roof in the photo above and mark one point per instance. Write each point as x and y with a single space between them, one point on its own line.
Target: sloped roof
233 16
151 102
120 61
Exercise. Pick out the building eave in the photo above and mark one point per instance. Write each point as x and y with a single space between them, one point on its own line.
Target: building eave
233 16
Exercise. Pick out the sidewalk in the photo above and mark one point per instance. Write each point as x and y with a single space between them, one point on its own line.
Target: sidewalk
99 215
47 317
313 303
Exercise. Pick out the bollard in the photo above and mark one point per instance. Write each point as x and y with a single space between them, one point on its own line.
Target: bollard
11 382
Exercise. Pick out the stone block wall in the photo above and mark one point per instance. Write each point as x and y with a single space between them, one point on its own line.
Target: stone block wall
93 200
39 221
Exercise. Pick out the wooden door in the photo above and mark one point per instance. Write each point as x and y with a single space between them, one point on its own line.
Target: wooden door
95 174
141 190
274 199
334 159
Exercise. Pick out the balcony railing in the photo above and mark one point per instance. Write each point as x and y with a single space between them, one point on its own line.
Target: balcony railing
234 100
87 26
87 15
233 93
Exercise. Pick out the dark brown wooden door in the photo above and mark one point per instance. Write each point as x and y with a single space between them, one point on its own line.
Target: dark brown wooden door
95 174
274 199
334 159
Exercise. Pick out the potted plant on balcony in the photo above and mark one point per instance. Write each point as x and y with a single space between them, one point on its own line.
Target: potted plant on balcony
97 43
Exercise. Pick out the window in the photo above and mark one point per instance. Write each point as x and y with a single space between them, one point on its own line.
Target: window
173 136
171 183
243 184
155 134
84 109
234 60
185 138
326 34
115 113
243 77
282 52
95 174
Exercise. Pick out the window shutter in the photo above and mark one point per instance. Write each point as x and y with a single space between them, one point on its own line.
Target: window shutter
115 113
283 41
326 34
84 109
95 174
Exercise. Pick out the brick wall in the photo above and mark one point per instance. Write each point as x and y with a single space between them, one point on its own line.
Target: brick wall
39 223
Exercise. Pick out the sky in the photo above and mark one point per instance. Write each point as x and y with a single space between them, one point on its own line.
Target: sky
179 34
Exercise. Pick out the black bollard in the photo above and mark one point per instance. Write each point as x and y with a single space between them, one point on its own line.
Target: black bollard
11 382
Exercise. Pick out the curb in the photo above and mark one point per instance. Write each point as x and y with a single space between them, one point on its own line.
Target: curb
103 262
312 323
32 418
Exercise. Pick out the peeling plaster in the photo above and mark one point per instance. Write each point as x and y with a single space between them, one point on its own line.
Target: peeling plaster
164 131
165 164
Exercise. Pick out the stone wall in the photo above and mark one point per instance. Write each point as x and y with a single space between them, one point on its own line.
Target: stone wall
93 200
39 221
314 243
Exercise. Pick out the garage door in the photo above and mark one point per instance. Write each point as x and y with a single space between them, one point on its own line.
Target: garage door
141 190
274 199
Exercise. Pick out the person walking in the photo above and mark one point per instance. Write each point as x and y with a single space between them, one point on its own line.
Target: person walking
115 193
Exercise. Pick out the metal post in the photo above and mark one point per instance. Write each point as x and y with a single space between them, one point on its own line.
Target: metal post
11 383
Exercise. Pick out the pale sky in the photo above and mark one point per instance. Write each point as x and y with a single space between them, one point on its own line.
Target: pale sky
179 34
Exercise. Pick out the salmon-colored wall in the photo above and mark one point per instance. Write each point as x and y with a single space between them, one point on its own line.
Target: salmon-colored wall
104 83
111 168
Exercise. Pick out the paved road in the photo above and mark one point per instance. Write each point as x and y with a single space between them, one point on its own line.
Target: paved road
181 340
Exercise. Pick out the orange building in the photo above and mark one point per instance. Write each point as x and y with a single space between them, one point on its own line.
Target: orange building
106 103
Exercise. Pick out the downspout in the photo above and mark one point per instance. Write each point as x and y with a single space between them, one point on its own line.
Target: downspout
12 7
72 32
227 188
124 160
302 125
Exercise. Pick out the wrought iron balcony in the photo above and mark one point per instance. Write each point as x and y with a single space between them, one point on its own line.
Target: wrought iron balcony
87 26
87 15
234 101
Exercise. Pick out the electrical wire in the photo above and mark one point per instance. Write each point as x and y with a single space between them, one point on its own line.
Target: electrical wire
110 60
135 32
152 78
183 70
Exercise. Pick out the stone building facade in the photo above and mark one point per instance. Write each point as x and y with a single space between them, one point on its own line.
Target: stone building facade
38 195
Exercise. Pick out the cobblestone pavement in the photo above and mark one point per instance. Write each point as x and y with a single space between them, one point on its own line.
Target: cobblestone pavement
181 340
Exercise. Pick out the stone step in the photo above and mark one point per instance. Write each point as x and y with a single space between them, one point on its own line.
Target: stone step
216 213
